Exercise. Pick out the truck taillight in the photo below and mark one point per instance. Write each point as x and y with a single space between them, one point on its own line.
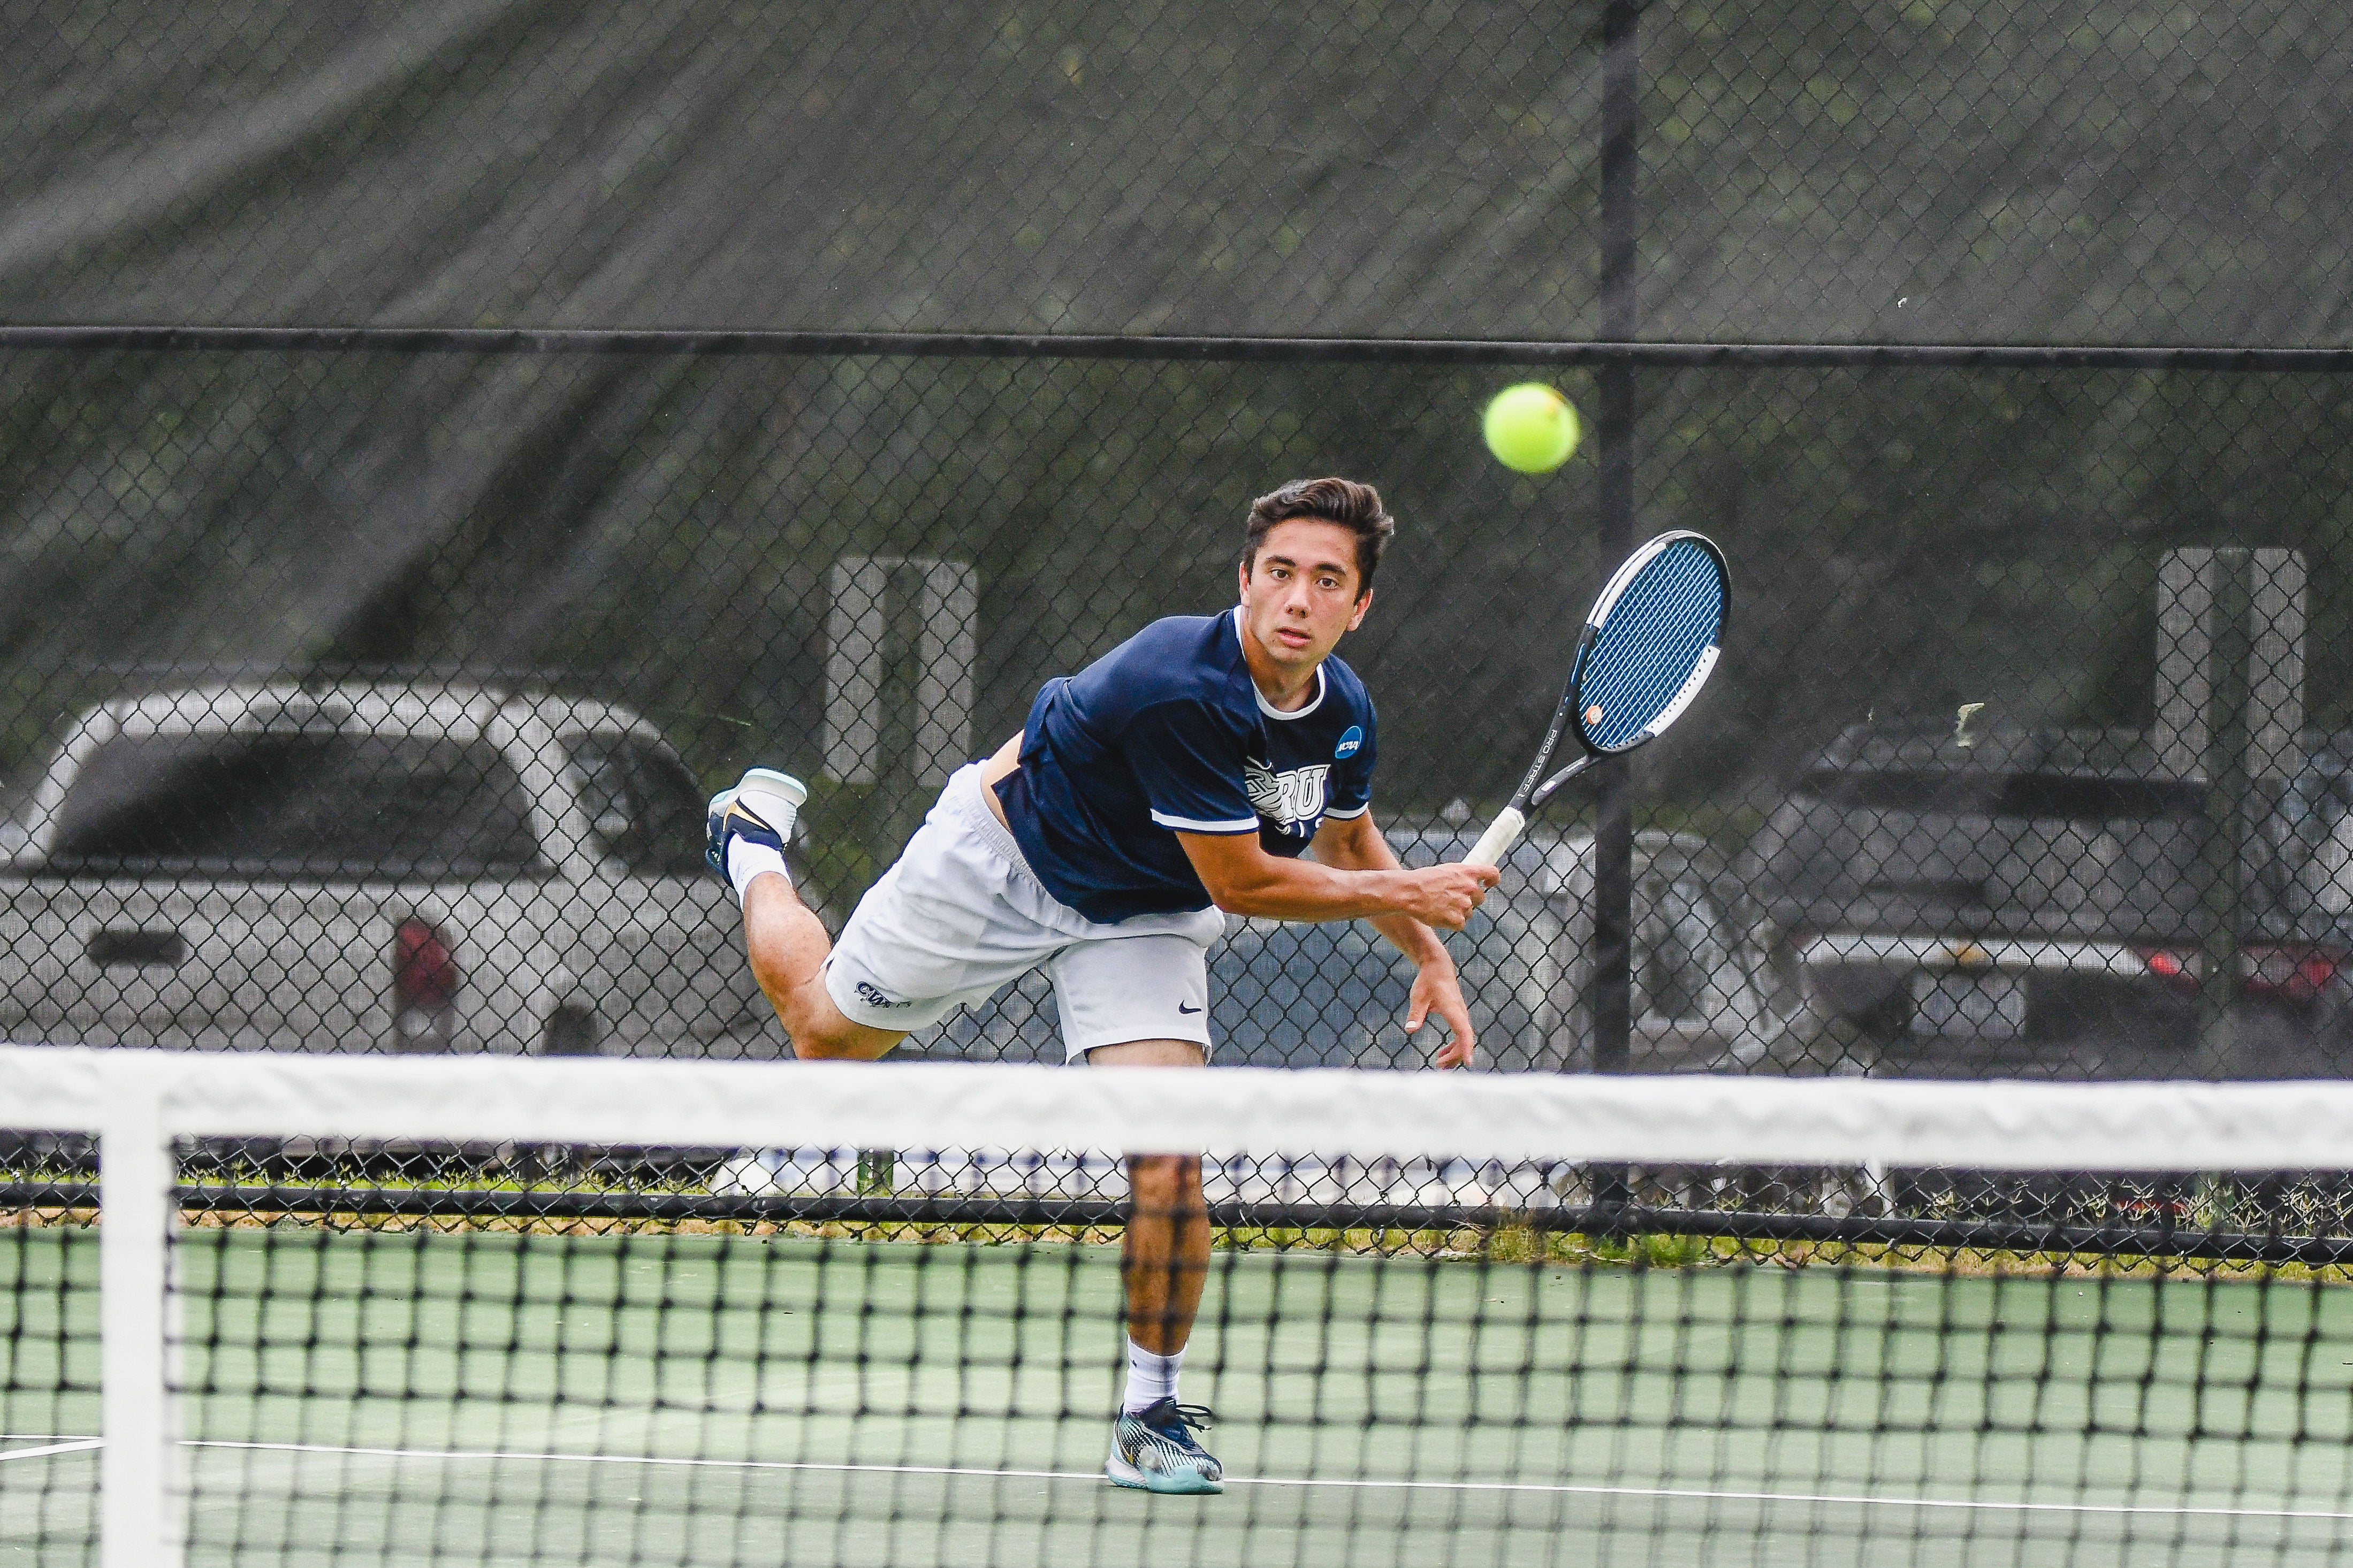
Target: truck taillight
2292 973
2289 973
424 981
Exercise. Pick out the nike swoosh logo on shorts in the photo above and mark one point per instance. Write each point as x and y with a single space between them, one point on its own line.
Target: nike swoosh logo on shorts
1182 1008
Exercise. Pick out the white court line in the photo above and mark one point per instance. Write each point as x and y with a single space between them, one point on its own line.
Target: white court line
64 1446
1556 1488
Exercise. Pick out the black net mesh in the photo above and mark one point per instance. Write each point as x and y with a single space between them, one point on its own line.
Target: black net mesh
847 1395
428 1351
50 1381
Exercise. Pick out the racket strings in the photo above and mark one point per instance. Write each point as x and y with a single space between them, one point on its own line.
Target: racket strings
1649 646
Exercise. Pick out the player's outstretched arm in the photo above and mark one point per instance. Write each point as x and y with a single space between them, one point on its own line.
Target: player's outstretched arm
1244 879
1355 877
1356 844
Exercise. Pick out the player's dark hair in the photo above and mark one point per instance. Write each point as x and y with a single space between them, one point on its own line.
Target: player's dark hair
1355 507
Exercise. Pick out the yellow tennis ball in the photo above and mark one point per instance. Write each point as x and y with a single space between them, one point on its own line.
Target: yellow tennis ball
1531 428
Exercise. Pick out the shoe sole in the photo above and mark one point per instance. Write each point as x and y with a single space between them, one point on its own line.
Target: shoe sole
1120 1473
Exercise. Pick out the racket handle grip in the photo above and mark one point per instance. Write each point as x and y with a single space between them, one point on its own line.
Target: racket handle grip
1497 841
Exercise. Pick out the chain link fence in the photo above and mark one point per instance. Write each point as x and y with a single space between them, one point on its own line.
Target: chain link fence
441 449
412 757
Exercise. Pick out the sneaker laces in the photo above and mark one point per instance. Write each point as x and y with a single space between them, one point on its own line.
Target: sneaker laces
1196 1417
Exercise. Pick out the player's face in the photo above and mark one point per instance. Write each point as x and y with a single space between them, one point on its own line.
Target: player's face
1301 592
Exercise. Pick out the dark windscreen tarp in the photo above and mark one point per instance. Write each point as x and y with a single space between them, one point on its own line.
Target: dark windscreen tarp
2074 172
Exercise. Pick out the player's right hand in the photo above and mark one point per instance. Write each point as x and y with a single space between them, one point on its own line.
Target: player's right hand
1444 896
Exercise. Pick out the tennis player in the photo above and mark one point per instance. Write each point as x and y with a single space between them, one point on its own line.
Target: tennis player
1181 774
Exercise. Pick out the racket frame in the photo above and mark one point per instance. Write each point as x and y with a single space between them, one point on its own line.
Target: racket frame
1536 787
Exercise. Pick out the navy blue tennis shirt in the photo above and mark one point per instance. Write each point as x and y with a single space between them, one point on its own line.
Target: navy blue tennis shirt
1167 731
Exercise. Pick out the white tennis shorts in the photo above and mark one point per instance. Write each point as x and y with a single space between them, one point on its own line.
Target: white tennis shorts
962 914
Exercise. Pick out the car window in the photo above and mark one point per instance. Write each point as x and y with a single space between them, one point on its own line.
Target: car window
644 809
297 804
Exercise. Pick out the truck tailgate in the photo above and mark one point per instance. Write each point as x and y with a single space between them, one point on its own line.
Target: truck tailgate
291 965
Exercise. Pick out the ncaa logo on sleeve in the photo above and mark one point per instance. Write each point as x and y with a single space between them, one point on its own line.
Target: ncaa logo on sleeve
1351 741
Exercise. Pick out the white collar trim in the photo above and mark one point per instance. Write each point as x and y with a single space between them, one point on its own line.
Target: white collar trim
1269 709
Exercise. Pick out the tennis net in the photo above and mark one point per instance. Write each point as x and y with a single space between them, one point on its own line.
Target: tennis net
403 1311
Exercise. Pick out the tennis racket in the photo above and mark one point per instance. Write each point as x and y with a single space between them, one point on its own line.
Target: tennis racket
1647 648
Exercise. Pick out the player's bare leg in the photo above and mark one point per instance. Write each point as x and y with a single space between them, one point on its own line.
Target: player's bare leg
746 829
1164 1266
787 945
1165 1260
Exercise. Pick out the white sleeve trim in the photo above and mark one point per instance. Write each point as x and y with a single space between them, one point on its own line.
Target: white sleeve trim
1187 824
1352 812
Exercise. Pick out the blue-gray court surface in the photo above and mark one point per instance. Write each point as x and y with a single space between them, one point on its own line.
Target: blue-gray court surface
471 1397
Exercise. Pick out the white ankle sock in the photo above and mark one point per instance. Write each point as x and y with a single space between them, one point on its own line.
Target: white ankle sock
1150 1377
746 860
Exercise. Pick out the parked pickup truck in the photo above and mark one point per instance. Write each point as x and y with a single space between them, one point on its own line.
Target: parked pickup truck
369 867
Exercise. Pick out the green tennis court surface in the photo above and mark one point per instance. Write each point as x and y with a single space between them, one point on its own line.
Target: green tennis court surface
479 1397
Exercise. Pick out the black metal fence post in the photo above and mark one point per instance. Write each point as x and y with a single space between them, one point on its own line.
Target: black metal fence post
1613 875
2227 822
1614 834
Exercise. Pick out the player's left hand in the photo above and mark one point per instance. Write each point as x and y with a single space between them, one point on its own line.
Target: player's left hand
1436 990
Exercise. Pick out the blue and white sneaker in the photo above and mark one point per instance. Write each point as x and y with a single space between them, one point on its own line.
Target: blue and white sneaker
760 809
1154 1449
